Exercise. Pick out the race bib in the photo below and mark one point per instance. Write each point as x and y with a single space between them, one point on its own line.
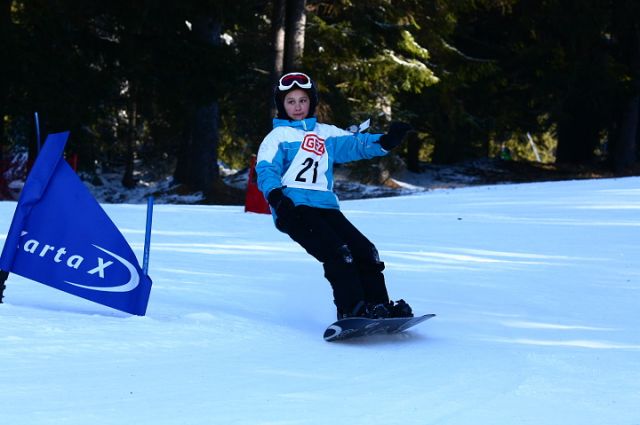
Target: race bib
308 170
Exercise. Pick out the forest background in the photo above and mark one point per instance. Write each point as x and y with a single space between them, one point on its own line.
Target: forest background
181 87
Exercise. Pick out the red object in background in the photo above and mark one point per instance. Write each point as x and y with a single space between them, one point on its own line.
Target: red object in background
254 200
12 174
4 185
73 162
16 170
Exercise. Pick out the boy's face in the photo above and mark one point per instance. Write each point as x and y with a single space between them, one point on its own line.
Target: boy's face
296 104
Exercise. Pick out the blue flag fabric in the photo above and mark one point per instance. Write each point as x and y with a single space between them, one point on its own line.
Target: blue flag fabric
61 237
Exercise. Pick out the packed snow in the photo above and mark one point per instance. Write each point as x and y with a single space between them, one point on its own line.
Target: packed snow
536 288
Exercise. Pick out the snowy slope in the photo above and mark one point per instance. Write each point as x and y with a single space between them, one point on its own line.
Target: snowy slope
536 287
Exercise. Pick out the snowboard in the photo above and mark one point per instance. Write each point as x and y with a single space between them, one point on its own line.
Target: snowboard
354 327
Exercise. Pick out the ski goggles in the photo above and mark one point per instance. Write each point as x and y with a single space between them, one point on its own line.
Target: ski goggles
298 78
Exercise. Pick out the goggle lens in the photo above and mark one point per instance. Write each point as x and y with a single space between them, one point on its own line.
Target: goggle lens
301 80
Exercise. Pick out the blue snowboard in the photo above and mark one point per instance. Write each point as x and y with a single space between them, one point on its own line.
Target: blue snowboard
353 327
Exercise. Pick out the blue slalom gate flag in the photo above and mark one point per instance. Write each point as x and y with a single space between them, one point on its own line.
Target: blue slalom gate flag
61 237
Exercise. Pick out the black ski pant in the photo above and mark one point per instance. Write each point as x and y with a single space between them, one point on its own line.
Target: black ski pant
351 262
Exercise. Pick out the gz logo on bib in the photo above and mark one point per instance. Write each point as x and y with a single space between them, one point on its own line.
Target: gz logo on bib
314 144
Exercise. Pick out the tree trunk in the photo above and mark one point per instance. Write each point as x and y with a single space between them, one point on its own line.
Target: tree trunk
296 20
413 152
278 37
5 78
446 128
624 154
580 117
288 29
132 135
197 165
578 132
278 28
624 138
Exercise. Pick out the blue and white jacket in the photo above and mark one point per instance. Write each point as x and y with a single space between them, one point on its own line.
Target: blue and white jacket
298 156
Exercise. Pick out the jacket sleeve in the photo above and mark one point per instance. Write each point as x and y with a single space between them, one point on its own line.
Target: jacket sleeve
269 164
352 147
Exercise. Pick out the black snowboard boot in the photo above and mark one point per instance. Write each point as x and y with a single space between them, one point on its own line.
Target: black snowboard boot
378 311
400 309
360 310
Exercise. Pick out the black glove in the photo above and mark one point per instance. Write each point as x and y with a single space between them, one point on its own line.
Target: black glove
397 131
281 203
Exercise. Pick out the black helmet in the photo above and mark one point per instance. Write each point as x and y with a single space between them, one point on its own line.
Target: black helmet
292 81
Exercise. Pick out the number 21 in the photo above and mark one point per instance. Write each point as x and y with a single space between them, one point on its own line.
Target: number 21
308 163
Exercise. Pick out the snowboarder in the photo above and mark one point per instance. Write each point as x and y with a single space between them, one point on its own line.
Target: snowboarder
295 173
